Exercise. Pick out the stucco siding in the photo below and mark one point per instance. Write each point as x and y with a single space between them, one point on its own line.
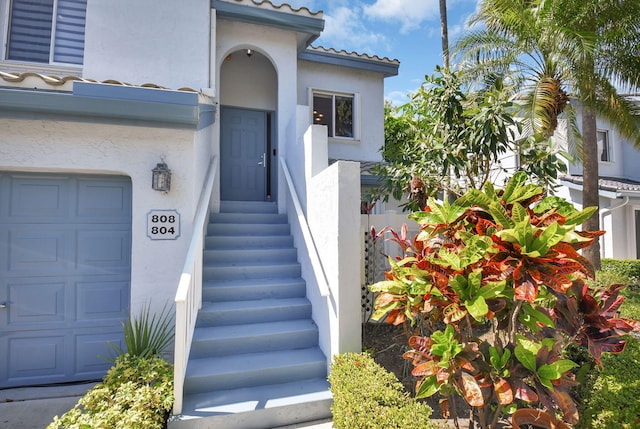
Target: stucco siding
66 146
370 110
142 41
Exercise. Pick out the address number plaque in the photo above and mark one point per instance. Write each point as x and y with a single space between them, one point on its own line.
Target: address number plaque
163 224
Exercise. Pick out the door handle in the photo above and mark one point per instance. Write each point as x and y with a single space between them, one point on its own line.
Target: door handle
263 163
3 305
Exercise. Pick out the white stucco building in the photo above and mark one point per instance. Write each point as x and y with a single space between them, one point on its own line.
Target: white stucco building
619 190
233 97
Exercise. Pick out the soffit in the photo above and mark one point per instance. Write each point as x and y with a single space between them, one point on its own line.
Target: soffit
307 25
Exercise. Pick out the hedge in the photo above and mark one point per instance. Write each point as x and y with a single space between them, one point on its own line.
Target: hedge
366 396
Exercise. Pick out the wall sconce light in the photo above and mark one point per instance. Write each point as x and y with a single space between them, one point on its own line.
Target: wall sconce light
161 178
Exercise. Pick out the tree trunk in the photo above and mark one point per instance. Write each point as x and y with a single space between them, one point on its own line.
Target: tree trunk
444 31
590 183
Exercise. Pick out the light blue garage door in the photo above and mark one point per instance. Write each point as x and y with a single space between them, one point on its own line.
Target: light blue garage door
65 270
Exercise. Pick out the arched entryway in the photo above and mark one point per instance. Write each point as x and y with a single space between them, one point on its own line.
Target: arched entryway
248 149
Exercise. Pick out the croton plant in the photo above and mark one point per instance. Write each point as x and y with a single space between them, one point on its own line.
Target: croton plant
493 289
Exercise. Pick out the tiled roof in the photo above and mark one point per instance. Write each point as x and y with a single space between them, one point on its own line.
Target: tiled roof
30 80
352 54
284 7
613 184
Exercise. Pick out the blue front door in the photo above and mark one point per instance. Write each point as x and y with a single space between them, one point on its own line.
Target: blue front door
243 154
65 271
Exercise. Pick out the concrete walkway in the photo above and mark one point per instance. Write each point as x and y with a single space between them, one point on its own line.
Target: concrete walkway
35 407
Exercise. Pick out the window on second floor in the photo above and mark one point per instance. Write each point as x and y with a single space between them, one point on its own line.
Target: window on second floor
337 112
46 31
604 147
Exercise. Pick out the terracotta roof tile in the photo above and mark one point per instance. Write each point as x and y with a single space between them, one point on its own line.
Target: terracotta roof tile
284 7
607 183
353 54
32 80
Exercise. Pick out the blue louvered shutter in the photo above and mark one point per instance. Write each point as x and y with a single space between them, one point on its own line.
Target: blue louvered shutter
69 39
30 32
33 23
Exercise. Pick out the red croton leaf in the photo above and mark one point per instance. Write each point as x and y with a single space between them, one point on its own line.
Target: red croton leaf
538 418
503 391
525 287
471 390
524 392
444 408
567 405
396 317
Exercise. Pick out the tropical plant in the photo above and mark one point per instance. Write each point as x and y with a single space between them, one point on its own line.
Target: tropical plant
136 393
507 260
446 140
554 50
147 335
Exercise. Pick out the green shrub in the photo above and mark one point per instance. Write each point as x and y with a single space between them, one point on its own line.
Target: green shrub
628 269
366 396
626 272
136 393
612 391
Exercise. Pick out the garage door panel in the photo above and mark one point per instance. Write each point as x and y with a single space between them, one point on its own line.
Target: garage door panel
36 356
93 350
33 199
103 251
104 200
102 301
38 251
36 302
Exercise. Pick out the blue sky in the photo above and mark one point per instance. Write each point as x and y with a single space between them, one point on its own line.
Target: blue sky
407 30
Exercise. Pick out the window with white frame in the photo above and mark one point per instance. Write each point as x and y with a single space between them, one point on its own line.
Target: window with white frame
337 112
46 31
604 147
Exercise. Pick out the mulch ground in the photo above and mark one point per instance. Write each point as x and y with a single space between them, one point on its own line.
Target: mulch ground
387 344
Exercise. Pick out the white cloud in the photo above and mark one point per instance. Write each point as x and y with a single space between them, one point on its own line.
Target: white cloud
410 13
344 29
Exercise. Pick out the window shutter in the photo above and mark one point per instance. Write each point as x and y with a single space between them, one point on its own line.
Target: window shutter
69 39
30 32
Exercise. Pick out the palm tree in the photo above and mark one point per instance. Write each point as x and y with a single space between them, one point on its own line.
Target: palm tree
558 50
444 32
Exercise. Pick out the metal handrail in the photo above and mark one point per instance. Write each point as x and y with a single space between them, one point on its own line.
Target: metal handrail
316 263
188 297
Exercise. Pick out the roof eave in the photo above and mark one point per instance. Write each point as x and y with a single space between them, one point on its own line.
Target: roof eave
309 26
113 102
388 69
612 194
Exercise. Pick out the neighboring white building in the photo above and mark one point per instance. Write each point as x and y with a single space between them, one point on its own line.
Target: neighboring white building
619 188
95 94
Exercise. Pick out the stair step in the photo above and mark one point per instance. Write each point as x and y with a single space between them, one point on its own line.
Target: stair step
254 337
248 242
250 270
247 229
238 290
259 407
254 311
248 207
258 255
254 369
248 218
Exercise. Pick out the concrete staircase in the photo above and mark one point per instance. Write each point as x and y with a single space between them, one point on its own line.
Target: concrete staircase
255 360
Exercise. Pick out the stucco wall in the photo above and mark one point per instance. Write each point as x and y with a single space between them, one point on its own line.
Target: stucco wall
148 41
63 145
369 86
